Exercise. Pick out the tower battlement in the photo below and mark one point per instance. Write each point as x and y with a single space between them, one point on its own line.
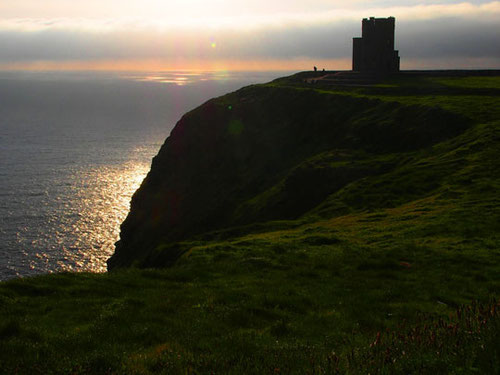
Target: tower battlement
374 51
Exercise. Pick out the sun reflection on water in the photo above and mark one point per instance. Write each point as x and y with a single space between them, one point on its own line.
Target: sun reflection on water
69 170
89 224
102 210
181 78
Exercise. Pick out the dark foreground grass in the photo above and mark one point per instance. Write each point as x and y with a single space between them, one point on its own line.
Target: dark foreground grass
395 273
310 299
467 341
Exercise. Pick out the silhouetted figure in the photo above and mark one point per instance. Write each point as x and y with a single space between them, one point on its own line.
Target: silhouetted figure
315 69
374 51
323 69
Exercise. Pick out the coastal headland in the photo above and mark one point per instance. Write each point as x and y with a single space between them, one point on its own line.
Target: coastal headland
326 222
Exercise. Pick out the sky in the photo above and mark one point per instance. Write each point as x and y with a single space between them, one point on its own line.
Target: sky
239 34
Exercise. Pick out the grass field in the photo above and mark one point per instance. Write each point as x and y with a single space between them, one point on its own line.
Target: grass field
396 271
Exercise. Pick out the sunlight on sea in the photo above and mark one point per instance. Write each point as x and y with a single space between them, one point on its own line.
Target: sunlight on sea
77 225
74 146
103 196
183 78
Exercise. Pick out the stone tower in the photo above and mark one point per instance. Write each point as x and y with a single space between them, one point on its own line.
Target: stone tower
374 51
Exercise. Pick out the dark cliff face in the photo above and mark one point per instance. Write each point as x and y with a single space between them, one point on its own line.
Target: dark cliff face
214 170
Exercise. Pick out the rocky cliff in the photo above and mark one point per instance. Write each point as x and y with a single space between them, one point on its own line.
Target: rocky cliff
268 152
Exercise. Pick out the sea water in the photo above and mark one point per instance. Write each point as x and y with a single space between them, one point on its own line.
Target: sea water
74 146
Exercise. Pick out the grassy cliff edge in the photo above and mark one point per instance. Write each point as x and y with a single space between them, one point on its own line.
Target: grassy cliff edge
294 227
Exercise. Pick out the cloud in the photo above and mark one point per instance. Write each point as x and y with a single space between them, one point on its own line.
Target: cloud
431 32
449 38
217 14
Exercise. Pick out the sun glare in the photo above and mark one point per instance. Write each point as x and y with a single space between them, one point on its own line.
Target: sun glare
182 65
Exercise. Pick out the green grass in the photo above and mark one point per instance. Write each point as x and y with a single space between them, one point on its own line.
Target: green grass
394 271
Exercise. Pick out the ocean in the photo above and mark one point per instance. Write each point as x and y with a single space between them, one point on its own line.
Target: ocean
74 146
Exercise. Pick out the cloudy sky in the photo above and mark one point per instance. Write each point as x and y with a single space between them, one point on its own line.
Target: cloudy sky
240 34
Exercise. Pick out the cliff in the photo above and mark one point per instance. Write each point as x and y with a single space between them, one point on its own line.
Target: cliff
342 226
270 152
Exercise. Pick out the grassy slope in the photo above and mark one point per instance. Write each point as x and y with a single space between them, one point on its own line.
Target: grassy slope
282 296
293 148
